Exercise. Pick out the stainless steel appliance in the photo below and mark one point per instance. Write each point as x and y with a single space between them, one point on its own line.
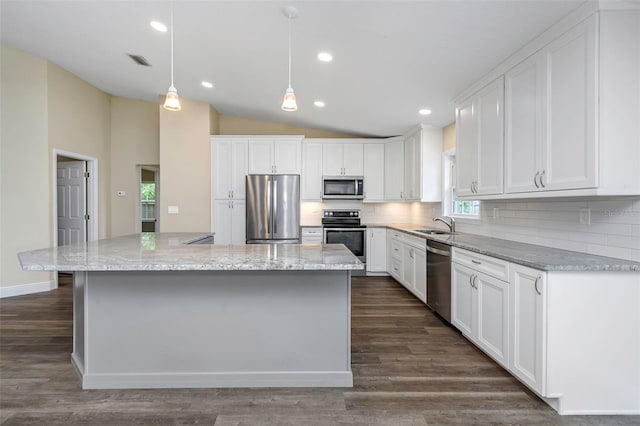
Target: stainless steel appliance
342 226
273 209
342 187
439 278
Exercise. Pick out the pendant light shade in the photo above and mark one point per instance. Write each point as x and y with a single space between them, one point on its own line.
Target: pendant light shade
172 100
289 101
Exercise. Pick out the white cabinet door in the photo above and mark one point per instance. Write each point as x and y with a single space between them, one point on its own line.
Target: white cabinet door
376 250
492 332
420 274
463 307
332 159
569 154
466 149
490 138
407 267
261 157
412 157
373 172
239 169
393 170
222 221
222 167
238 222
311 171
352 159
528 335
286 157
524 123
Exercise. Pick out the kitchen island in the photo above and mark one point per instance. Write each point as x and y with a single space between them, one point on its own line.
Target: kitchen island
154 311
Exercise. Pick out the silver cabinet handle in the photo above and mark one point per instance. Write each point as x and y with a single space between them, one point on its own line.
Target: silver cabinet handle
476 262
411 253
229 204
535 179
475 284
536 285
232 193
542 183
400 194
229 194
471 280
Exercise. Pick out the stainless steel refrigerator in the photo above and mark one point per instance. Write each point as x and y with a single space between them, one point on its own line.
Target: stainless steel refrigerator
273 209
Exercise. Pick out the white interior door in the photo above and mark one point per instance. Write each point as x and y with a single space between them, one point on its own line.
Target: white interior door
72 202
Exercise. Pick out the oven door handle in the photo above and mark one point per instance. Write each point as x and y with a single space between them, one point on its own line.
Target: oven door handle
436 251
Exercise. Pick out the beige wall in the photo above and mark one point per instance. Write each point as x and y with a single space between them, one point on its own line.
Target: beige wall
135 141
24 163
231 125
185 168
449 137
214 121
79 122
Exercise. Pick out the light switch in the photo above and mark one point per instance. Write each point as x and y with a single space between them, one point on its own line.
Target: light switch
121 193
173 209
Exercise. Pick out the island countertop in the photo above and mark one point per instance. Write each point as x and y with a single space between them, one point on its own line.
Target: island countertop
172 252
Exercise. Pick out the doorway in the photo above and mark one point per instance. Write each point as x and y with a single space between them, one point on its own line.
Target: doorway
75 199
149 196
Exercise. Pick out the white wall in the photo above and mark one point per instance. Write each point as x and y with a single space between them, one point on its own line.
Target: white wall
24 164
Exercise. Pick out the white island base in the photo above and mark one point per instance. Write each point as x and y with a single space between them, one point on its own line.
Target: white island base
184 329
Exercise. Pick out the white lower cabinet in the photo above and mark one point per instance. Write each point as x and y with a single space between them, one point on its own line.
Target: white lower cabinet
480 308
376 250
528 334
229 221
408 262
311 235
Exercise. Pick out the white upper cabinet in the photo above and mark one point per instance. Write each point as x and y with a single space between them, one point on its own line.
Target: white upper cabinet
373 172
229 168
423 164
342 159
570 98
311 178
479 153
275 156
551 116
393 170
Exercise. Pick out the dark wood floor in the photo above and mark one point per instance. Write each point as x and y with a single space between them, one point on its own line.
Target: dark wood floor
409 369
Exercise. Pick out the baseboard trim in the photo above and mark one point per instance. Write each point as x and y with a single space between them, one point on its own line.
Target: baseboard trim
22 289
340 379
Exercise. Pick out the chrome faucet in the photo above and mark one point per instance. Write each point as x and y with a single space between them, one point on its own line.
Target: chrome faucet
451 224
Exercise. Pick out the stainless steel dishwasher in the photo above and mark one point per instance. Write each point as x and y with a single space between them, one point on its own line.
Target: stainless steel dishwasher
439 278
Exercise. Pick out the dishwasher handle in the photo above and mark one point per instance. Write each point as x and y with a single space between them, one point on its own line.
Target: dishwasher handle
438 251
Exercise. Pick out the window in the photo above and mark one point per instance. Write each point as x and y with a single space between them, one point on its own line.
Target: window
148 200
451 205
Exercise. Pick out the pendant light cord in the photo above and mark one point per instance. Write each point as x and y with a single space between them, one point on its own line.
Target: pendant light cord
171 44
289 50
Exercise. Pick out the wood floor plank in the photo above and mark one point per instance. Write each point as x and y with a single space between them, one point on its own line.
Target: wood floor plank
410 368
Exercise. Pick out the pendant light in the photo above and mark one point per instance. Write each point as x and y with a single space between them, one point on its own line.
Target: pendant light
289 102
172 101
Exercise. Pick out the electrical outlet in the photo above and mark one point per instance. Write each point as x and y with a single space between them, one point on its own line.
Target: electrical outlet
585 216
496 213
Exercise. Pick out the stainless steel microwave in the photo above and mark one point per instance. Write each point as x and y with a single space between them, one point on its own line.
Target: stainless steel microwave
342 187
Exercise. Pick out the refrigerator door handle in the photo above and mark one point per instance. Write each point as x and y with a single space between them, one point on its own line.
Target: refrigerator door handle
269 220
275 207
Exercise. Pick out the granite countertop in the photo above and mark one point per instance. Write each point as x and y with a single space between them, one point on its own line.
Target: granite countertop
172 252
534 256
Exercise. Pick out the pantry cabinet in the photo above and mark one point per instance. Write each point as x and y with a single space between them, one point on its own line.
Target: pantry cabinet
229 221
229 168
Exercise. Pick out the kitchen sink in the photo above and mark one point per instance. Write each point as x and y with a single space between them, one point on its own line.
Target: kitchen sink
433 232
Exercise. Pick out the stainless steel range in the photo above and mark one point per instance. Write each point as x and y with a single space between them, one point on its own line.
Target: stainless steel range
342 226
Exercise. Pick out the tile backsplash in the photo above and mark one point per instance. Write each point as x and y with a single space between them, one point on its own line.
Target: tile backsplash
614 228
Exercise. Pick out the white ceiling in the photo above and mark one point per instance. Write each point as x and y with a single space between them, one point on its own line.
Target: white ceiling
391 58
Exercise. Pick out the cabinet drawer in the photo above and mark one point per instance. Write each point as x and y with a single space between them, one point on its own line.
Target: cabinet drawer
396 249
312 232
311 240
416 242
396 235
396 268
489 265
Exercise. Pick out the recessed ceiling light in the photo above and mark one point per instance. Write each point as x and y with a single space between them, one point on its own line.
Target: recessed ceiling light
158 26
424 111
207 84
325 57
319 104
